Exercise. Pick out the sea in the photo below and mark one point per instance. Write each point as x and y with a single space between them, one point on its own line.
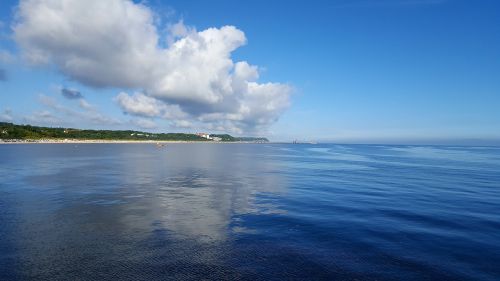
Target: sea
249 212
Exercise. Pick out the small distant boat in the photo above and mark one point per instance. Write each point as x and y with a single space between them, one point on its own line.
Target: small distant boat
160 145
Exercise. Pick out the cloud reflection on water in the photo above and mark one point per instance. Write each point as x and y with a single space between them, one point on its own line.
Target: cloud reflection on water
184 195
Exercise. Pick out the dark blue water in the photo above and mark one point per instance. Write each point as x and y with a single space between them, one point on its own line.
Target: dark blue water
249 212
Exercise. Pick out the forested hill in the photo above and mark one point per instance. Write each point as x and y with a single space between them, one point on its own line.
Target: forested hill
13 131
226 137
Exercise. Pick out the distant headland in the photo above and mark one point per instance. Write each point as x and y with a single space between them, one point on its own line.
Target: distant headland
12 133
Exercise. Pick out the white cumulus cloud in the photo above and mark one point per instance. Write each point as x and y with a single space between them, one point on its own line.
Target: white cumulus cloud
116 43
140 104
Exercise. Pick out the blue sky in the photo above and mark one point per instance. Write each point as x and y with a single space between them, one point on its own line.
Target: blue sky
346 71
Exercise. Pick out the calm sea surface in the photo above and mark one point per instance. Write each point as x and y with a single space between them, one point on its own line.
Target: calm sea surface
249 212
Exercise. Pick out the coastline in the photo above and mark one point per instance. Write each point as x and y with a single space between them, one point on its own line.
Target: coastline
83 141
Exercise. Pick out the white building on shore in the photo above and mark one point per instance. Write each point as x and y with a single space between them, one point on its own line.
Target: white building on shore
204 135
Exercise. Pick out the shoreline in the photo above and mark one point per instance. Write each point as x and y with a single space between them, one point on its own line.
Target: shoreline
79 141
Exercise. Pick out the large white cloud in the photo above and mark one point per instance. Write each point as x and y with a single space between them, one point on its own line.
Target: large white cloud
115 43
101 43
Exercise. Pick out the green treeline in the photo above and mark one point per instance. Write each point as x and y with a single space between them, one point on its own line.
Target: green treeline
226 137
13 131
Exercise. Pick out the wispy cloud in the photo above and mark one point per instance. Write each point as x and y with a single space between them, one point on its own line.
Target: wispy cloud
43 117
144 123
89 113
6 56
71 93
6 115
85 105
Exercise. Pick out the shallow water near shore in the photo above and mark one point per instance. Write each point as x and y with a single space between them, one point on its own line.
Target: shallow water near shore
249 212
